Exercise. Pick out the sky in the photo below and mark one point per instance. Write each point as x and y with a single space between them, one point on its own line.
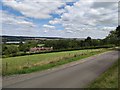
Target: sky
58 18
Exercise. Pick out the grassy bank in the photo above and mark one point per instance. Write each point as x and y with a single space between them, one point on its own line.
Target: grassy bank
31 63
109 79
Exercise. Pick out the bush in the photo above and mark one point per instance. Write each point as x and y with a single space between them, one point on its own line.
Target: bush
10 50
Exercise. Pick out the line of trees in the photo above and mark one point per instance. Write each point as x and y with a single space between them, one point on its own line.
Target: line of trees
15 49
68 43
113 37
63 44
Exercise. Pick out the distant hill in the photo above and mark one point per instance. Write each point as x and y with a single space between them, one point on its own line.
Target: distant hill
23 38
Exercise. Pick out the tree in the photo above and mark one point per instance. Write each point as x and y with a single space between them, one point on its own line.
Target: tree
88 41
27 45
118 31
95 42
114 37
10 50
4 48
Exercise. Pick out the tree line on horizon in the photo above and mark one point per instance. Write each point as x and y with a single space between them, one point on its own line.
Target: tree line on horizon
113 39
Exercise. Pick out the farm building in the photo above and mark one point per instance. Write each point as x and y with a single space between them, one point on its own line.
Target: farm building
38 49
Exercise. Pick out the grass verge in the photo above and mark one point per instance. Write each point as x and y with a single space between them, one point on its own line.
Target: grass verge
32 63
109 79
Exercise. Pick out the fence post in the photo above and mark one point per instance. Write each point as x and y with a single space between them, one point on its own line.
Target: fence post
6 65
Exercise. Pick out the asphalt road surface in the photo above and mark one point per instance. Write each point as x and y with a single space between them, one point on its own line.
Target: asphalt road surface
77 74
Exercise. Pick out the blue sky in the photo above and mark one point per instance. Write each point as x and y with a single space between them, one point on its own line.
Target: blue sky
37 21
74 19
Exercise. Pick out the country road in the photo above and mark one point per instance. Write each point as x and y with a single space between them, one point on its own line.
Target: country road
77 74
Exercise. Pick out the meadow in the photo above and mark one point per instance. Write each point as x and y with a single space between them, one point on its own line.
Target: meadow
38 62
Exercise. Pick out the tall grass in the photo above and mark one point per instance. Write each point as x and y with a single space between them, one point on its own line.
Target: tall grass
109 79
31 63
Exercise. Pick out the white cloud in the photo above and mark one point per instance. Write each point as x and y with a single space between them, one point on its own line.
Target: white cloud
14 25
48 26
60 11
36 9
15 20
84 18
55 21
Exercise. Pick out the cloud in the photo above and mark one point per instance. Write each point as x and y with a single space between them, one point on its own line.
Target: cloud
49 26
55 21
16 25
89 18
36 9
82 19
60 11
15 20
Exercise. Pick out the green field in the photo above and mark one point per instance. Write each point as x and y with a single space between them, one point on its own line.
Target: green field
37 62
109 79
